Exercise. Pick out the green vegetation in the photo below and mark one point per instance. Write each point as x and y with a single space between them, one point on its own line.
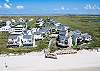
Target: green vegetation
3 39
84 24
4 50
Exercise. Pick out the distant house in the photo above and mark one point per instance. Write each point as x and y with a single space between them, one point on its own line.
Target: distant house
31 19
55 23
51 21
5 27
13 20
48 20
62 27
39 22
21 20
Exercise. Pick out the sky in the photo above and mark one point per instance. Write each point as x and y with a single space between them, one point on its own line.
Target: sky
43 7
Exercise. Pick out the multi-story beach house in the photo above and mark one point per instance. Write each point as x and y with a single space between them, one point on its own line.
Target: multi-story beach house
86 37
79 38
21 36
62 39
28 38
14 40
25 39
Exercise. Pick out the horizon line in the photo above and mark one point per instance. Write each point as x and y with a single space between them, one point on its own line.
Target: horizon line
47 14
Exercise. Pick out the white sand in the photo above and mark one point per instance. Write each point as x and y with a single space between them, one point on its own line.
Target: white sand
37 62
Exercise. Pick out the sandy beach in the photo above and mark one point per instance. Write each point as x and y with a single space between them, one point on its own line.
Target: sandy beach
82 69
36 61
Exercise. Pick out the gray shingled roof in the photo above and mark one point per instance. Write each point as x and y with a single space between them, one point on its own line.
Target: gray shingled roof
13 37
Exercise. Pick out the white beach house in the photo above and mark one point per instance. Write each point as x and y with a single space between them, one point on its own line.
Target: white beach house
14 40
86 37
28 38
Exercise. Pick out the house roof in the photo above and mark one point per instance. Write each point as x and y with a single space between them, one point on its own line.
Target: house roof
37 33
39 19
8 23
62 33
27 36
27 32
86 35
13 36
63 38
43 30
19 26
62 27
77 32
16 33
